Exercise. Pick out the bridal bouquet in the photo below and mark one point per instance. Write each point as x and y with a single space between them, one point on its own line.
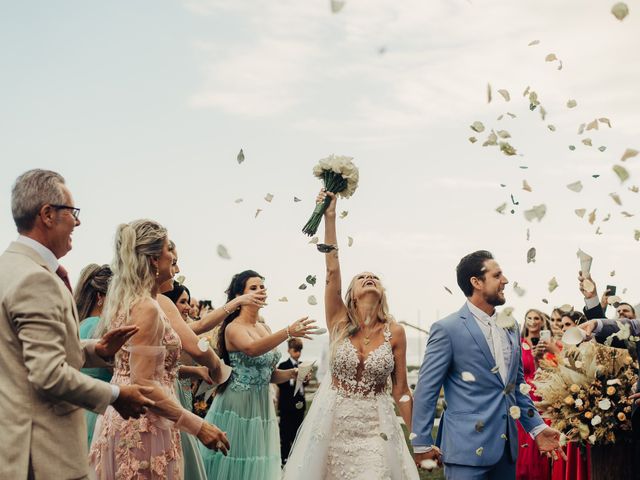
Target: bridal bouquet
586 396
340 176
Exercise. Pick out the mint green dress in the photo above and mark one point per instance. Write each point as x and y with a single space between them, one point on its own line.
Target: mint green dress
87 326
245 411
193 464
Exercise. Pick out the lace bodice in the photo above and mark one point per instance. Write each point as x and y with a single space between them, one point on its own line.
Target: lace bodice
353 378
251 372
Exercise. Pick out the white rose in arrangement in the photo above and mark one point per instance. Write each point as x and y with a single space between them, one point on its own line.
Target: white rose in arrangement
578 402
597 420
604 404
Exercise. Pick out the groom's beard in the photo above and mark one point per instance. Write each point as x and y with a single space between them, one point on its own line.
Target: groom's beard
495 300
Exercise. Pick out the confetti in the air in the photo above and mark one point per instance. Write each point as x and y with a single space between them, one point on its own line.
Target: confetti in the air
580 212
621 172
571 103
479 451
620 10
313 240
477 127
628 153
587 142
311 280
303 286
534 42
349 241
223 252
505 95
507 149
551 127
592 216
489 95
501 209
343 214
525 186
616 198
237 200
473 139
312 300
468 377
180 279
531 255
240 156
448 289
575 186
521 292
537 212
296 200
257 213
268 197
553 284
337 5
550 57
283 299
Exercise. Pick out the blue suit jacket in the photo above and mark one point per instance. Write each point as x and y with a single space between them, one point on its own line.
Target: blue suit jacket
477 414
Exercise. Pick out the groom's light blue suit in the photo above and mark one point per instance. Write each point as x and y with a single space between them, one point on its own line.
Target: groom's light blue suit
477 423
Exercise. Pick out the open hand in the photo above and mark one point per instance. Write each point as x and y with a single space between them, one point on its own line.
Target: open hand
548 442
256 299
113 340
302 328
581 279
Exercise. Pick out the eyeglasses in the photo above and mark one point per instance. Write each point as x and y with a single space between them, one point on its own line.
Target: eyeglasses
74 211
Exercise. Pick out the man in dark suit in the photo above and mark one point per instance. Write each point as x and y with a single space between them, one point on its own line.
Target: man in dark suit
594 308
291 406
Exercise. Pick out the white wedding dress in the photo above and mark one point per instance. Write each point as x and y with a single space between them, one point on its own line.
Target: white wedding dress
351 431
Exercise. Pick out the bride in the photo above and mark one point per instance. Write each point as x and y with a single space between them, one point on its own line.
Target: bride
351 430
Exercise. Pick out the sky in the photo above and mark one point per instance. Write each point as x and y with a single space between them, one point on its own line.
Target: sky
143 107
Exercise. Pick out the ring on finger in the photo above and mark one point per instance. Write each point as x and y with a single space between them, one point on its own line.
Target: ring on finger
219 445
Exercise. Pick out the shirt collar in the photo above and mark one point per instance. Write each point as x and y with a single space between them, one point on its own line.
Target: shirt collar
480 315
46 254
295 363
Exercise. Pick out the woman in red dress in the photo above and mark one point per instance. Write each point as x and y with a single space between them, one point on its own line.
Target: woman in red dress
531 465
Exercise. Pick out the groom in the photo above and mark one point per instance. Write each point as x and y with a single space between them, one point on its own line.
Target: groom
480 367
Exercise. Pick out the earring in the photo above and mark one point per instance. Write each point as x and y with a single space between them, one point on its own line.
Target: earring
100 302
157 272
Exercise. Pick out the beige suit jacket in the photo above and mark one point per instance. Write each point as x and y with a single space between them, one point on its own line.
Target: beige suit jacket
41 388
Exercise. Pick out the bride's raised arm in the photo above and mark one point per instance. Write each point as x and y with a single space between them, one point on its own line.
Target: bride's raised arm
335 308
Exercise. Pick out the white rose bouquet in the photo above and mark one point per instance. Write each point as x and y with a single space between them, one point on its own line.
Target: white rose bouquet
340 176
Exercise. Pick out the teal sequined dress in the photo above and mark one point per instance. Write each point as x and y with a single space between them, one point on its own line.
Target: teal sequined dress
245 411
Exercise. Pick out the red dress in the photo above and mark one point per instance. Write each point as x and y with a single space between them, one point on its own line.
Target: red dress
530 465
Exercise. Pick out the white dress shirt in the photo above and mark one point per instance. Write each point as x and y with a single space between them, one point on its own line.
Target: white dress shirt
487 324
52 265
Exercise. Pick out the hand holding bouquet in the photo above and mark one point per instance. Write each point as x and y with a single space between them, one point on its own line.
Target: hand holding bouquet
340 176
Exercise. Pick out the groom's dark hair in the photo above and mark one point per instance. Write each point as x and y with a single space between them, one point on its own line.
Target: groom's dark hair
471 265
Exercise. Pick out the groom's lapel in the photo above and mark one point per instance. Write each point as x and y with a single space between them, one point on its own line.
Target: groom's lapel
514 354
472 325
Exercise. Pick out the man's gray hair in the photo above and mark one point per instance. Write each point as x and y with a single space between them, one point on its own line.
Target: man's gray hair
31 191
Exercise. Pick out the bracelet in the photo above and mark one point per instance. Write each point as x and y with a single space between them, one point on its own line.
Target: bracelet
224 307
289 337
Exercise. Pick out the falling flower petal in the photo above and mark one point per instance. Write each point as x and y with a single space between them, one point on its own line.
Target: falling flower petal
620 10
303 286
593 125
492 140
314 240
575 186
257 213
512 115
543 113
636 235
238 200
531 255
240 156
296 200
581 128
537 212
448 290
519 290
268 197
223 253
489 96
602 148
634 189
501 208
507 149
616 198
479 451
505 95
621 172
504 134
627 214
283 299
524 388
477 127
343 214
468 377
349 241
311 280
180 279
312 300
592 216
572 147
587 141
580 212
606 121
628 153
551 127
473 139
571 103
337 5
553 284
514 412
526 186
412 436
534 42
550 57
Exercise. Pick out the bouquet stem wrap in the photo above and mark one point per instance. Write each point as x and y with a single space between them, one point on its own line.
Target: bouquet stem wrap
340 176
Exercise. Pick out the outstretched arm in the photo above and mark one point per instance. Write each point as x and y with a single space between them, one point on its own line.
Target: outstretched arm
335 308
238 338
215 317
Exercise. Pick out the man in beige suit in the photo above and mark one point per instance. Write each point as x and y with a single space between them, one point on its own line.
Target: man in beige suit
42 391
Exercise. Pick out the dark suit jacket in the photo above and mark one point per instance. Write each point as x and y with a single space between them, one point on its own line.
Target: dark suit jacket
287 401
595 312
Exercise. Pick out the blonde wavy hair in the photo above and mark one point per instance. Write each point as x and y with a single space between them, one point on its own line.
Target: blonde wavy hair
349 325
134 276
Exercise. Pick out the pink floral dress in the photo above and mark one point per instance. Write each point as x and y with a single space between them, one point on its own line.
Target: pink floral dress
146 448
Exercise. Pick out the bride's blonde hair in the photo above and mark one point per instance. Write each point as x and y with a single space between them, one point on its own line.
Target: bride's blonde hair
349 325
134 275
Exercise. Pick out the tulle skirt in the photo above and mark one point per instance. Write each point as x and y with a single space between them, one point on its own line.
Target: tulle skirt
350 438
249 419
193 464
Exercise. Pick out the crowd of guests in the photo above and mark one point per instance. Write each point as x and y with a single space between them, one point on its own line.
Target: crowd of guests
131 346
541 344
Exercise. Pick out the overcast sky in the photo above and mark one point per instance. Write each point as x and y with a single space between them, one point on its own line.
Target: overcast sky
143 107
